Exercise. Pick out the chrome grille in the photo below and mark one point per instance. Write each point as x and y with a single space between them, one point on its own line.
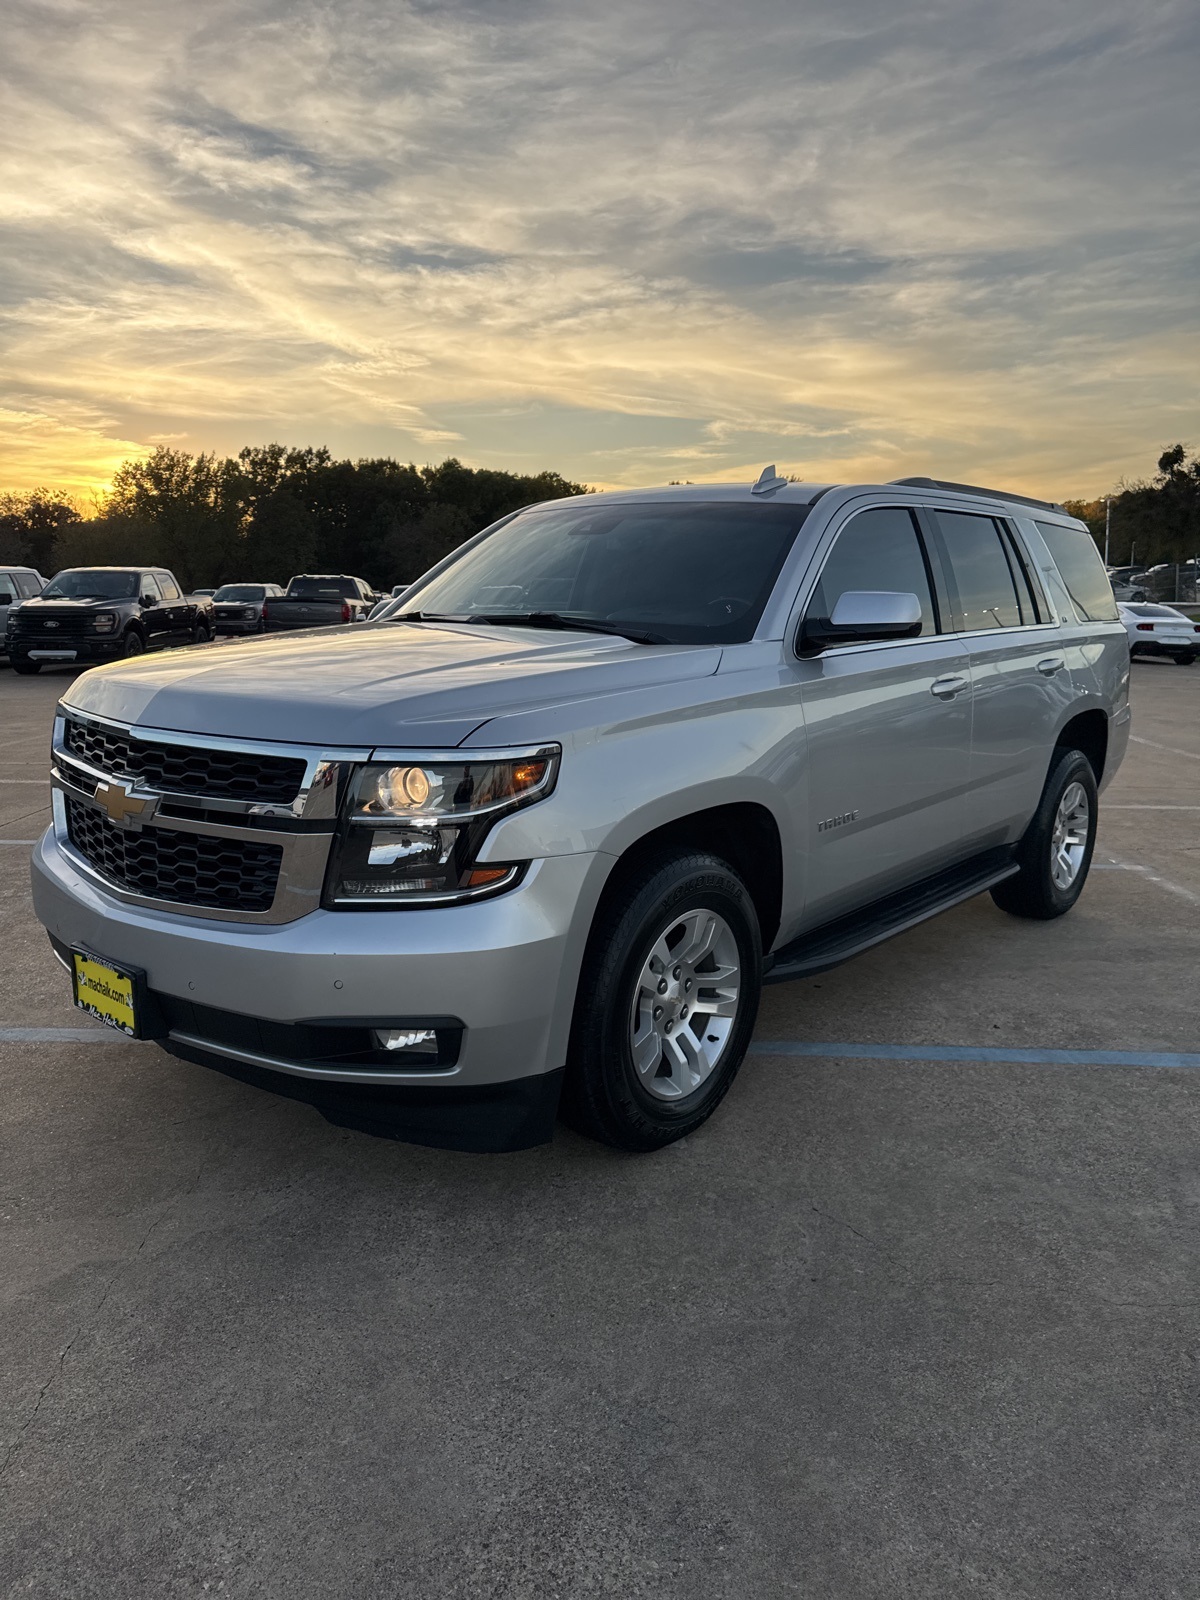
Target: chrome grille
167 864
184 769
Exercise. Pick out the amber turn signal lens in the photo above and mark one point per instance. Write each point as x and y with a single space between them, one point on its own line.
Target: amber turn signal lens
528 774
481 875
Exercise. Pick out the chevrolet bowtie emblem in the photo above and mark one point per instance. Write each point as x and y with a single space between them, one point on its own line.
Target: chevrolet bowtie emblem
121 804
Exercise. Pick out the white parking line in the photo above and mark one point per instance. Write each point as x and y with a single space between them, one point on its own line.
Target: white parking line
1169 748
18 841
1113 865
1150 808
63 1036
25 780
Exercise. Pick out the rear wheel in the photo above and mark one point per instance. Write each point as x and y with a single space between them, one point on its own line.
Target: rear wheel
200 634
667 1001
1184 660
26 669
1056 852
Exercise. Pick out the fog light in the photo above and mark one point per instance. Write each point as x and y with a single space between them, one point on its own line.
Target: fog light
423 1039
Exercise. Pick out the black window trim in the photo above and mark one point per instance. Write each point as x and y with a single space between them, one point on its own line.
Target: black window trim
1000 524
936 594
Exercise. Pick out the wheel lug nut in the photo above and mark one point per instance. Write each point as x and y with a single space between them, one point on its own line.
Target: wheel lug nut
657 1012
682 1012
669 1027
687 988
677 972
662 986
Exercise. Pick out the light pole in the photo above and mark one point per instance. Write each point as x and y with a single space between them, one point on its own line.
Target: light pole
1107 520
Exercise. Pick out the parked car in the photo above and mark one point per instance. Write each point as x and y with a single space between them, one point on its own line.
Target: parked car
1161 631
384 603
1125 588
98 613
16 584
320 602
543 837
209 592
239 607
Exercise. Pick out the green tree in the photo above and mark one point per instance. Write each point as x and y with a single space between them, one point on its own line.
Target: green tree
31 526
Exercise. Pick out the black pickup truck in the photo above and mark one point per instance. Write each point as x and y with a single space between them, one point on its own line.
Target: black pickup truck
99 613
320 601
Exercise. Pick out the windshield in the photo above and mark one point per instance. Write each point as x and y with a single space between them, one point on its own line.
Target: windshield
239 591
694 572
322 589
91 585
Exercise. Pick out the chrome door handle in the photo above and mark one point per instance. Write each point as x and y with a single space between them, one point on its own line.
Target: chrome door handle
1050 666
947 688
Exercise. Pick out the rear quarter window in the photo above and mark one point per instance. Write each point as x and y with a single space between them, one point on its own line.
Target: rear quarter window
1082 570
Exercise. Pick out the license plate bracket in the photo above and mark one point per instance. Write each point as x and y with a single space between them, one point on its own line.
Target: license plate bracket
111 993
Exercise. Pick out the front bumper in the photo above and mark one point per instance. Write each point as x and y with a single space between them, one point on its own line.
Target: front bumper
66 650
506 968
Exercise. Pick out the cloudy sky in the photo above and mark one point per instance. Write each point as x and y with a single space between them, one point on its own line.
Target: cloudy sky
633 241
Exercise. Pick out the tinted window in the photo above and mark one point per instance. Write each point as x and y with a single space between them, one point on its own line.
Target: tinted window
170 589
240 591
323 589
150 588
877 549
692 572
1082 570
89 583
27 584
980 569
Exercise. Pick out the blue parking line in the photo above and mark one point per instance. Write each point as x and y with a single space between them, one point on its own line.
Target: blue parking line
968 1052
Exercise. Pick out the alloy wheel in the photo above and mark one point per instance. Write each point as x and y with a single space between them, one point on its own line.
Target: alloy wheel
685 1004
1069 840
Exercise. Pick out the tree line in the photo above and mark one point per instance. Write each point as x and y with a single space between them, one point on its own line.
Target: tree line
1155 519
274 511
271 512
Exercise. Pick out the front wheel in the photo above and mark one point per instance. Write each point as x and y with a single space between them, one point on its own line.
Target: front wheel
1184 660
667 1002
135 645
1056 851
26 669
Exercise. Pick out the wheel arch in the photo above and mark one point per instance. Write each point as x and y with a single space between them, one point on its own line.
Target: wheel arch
744 833
1087 731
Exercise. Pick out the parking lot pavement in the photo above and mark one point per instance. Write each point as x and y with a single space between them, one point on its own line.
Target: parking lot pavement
883 1327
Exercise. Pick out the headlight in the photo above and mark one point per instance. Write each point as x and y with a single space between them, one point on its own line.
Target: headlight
412 829
250 613
104 621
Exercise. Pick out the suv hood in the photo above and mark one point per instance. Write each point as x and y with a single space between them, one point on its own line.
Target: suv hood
422 684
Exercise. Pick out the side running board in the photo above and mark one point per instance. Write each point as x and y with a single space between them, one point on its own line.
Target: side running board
835 942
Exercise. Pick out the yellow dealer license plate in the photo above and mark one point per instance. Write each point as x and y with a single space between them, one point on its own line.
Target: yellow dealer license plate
105 992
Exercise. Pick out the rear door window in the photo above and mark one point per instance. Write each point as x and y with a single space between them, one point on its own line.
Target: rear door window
1082 570
170 589
981 571
878 549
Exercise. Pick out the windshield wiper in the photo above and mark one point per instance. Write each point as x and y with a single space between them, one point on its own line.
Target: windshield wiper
555 619
533 619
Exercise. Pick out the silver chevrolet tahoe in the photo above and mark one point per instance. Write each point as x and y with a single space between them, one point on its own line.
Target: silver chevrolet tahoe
534 841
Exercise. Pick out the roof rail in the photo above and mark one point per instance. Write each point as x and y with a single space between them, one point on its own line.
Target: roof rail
974 488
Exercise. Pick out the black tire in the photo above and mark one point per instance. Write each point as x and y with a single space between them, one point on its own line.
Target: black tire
1033 892
26 669
200 634
1184 661
604 1096
135 645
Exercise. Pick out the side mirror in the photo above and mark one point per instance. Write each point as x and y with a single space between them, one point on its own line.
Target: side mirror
863 616
149 600
7 599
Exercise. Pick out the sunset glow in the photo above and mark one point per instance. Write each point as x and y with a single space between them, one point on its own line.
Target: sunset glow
632 242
